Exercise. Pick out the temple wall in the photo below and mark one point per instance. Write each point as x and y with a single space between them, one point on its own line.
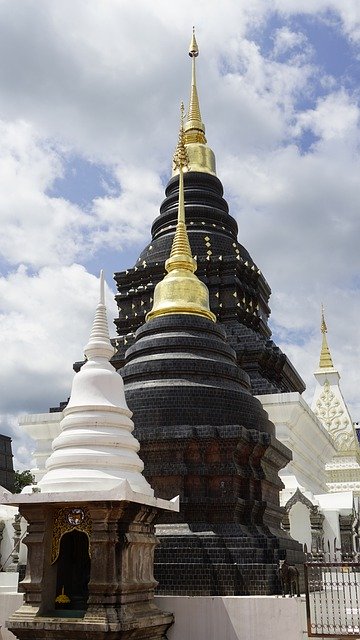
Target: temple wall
214 618
235 618
10 600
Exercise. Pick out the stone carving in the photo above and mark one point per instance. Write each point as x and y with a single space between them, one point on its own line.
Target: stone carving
298 496
66 520
330 412
316 519
347 533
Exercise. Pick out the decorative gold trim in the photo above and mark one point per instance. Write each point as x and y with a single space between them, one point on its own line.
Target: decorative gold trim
66 520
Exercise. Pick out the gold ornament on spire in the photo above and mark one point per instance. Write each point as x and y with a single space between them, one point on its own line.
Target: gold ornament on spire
181 291
325 355
200 156
180 158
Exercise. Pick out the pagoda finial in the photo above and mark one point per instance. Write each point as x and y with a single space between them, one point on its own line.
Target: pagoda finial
194 127
200 157
325 355
181 291
99 344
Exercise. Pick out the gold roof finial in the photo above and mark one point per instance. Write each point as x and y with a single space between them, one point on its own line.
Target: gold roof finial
194 127
325 355
200 156
181 291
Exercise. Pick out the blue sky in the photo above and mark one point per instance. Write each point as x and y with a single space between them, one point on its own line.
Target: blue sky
89 98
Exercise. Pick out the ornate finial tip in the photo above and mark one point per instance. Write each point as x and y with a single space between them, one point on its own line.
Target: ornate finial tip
323 323
193 49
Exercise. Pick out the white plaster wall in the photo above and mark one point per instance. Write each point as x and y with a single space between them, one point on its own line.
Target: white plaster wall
331 529
300 526
10 600
213 617
235 618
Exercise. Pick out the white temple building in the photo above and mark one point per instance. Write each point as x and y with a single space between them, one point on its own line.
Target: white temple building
322 482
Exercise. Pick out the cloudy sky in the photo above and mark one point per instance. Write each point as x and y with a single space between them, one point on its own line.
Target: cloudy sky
89 101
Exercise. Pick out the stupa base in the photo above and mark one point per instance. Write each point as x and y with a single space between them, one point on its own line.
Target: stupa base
212 565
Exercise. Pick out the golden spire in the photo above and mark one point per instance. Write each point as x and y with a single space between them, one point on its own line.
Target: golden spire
200 156
181 291
325 355
194 127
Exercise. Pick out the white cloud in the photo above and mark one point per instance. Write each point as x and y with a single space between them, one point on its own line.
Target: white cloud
286 40
348 11
45 321
36 229
128 217
335 118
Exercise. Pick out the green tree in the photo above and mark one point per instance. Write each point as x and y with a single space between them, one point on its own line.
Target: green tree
22 478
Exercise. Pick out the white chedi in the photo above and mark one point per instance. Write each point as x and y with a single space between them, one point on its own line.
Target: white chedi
95 449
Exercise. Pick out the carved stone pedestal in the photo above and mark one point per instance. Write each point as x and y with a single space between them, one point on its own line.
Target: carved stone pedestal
99 556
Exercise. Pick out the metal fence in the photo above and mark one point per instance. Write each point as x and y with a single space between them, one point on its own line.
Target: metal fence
332 588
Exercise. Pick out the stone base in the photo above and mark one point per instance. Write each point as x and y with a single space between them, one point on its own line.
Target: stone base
98 623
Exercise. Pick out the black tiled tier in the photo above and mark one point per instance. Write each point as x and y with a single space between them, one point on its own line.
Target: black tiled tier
239 293
204 436
181 367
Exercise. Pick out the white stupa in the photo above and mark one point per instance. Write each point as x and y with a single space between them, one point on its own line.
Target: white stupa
95 449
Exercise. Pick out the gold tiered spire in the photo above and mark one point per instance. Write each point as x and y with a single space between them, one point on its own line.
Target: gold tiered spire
181 291
200 156
325 355
194 127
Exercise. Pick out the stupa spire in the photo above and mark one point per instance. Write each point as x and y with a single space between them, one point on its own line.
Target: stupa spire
99 344
180 250
194 127
181 291
95 449
200 156
325 355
